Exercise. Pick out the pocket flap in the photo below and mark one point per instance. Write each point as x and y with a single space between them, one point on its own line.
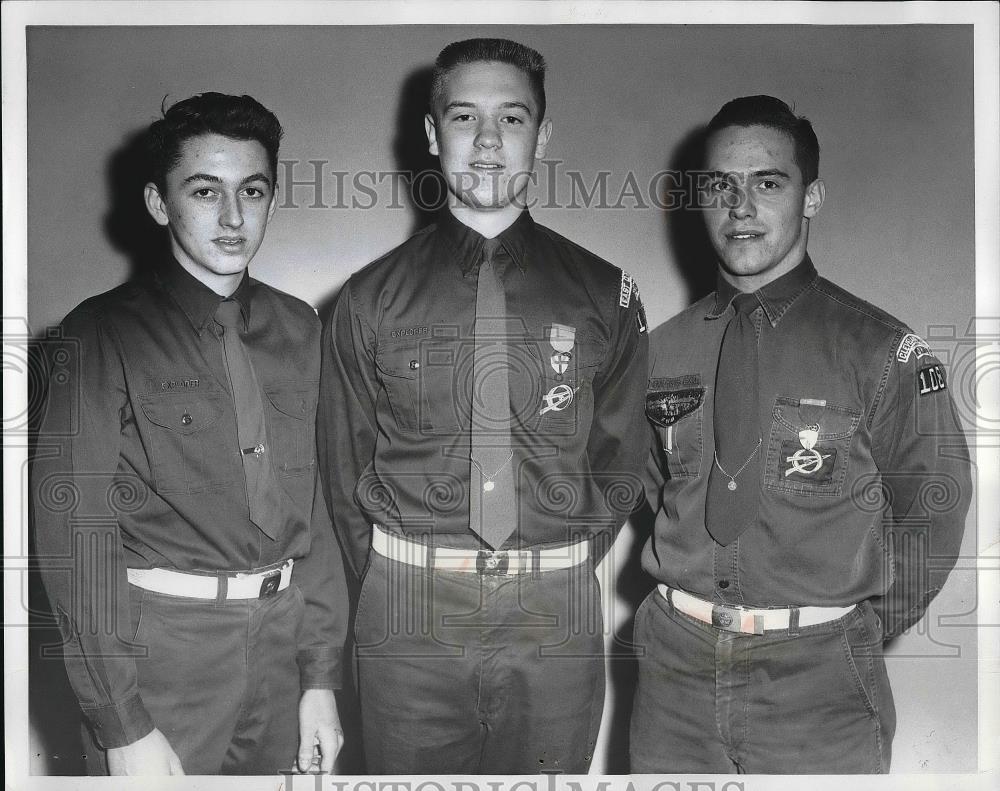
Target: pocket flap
835 422
183 414
401 361
292 401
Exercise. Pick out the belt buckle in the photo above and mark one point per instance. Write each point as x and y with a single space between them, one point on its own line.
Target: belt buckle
729 619
269 585
492 563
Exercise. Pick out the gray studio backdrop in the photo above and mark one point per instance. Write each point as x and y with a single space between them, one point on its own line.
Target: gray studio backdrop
892 106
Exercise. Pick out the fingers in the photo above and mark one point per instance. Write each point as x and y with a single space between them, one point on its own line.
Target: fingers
305 756
330 741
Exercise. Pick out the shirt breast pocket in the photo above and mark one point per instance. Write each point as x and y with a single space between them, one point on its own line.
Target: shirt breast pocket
809 446
419 379
678 416
191 441
291 422
566 402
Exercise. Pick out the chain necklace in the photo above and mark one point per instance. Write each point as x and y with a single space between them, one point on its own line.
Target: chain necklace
732 478
488 484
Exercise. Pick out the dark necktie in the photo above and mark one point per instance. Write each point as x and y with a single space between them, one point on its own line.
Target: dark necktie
492 495
734 482
263 493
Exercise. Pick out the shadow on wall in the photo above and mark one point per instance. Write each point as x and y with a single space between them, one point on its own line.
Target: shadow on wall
684 225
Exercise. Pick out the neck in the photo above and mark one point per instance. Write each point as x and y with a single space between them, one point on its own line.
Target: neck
488 223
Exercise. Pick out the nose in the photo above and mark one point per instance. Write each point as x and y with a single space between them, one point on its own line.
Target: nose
743 206
488 134
231 215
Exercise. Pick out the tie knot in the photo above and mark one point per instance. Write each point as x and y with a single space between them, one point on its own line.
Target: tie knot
745 303
228 314
490 248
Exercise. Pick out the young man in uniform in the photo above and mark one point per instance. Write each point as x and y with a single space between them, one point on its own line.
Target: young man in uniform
478 450
796 433
185 546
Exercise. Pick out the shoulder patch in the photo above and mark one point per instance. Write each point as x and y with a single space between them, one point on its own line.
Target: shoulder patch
931 380
625 290
911 344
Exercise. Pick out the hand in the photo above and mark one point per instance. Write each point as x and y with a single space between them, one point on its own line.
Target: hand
319 724
151 755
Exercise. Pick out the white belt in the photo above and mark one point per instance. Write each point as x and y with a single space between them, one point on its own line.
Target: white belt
242 585
483 561
746 620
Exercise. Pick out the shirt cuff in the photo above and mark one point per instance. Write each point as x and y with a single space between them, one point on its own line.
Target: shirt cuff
319 668
120 724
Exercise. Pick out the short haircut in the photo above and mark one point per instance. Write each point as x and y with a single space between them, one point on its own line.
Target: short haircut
236 117
499 50
774 114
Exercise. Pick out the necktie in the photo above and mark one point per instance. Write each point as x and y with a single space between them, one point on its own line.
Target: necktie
492 496
734 482
263 493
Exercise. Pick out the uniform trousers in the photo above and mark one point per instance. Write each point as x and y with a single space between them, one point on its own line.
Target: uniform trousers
219 679
811 701
462 673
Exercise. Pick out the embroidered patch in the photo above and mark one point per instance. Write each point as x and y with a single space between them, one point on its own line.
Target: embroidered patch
815 464
931 380
666 407
558 398
625 291
911 344
409 332
180 383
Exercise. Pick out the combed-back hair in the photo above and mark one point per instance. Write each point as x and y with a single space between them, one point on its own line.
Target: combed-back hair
500 50
236 117
774 114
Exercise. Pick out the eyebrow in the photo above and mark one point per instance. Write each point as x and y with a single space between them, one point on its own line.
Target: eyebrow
772 172
216 180
503 106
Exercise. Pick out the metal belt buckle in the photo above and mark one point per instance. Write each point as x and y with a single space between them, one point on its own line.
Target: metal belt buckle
269 585
729 619
492 562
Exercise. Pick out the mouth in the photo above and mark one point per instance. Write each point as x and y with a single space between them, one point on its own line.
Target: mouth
744 236
230 243
486 166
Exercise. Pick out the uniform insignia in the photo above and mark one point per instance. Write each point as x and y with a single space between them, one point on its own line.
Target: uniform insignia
815 464
558 398
560 361
911 344
625 291
666 407
931 380
562 337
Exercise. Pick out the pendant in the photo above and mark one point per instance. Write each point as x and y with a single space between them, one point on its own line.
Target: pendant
808 437
731 485
488 486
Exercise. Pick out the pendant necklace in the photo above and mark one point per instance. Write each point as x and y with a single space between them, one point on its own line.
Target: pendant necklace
488 485
732 478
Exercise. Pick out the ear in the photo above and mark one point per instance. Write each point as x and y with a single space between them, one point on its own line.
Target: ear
274 203
430 127
813 200
544 133
155 204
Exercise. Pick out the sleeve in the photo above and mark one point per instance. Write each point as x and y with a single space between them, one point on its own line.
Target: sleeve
74 484
923 460
618 441
320 576
346 423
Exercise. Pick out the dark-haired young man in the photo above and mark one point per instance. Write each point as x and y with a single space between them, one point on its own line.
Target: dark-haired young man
810 481
479 450
185 546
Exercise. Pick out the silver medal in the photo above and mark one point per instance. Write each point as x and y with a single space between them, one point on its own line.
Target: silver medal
488 486
731 486
808 437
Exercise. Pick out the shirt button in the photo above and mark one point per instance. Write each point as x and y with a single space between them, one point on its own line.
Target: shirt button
414 365
723 584
186 419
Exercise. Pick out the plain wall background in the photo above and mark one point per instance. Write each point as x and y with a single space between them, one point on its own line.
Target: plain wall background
892 106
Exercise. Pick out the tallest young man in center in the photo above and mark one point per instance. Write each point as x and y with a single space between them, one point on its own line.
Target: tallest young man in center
479 450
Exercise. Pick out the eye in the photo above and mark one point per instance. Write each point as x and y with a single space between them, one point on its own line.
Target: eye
721 185
462 117
769 184
254 192
513 120
204 192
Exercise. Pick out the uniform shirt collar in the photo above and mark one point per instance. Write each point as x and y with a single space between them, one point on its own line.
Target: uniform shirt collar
467 244
195 299
776 297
